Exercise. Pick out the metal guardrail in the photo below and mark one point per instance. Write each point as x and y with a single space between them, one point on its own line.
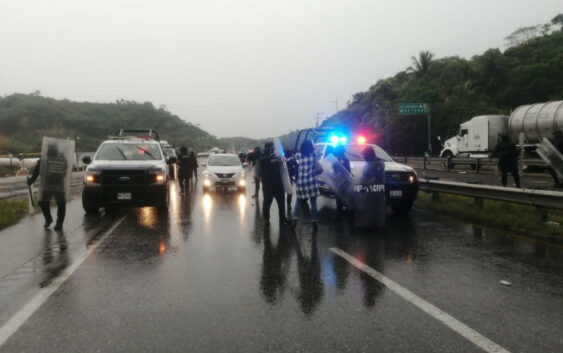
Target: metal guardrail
477 163
541 199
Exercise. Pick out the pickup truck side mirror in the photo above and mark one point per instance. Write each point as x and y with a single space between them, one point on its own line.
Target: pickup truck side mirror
171 160
86 159
204 164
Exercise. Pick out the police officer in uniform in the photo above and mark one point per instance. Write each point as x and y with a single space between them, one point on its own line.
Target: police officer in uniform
52 186
272 185
185 173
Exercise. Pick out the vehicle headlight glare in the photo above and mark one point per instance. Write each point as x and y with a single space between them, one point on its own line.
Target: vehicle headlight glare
242 182
206 182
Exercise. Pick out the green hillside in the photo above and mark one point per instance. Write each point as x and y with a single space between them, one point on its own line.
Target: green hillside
24 119
494 82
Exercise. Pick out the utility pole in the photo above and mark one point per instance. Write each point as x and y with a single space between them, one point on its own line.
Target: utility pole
318 118
336 104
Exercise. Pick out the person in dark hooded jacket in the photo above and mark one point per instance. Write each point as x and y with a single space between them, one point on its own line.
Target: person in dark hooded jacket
272 185
185 172
508 159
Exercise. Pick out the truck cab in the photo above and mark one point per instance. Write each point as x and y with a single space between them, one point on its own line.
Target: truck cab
476 137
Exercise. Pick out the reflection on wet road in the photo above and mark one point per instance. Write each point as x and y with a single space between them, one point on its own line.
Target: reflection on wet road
208 276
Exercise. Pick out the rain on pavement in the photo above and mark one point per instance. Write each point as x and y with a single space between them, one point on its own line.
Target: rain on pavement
208 277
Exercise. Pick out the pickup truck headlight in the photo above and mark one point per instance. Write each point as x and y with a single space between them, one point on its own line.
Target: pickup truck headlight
92 178
157 177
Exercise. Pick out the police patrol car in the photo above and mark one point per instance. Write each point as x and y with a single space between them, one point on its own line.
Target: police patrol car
127 169
401 182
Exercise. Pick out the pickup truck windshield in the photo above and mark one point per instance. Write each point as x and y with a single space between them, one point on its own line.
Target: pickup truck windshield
128 151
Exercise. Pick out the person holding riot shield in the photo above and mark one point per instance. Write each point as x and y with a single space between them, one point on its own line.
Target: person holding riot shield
54 173
369 210
340 154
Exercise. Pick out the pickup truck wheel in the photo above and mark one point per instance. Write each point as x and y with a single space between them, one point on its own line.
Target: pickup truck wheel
402 206
90 207
163 204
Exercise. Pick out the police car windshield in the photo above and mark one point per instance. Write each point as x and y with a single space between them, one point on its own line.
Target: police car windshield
128 151
354 153
227 161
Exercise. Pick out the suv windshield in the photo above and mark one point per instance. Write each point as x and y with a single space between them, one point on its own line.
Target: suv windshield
228 161
128 151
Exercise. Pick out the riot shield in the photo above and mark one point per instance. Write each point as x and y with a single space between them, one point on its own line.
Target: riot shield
551 156
278 151
338 180
369 196
55 169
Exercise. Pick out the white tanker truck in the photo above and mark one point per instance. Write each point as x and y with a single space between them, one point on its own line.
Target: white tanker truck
478 137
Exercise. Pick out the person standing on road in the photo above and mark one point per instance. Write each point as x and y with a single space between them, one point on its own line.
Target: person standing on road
508 159
340 154
272 185
307 187
185 173
53 186
254 162
558 144
193 166
292 168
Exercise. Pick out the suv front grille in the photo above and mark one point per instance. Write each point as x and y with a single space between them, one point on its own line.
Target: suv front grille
123 177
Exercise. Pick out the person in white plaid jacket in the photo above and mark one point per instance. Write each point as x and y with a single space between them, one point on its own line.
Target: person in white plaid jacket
307 187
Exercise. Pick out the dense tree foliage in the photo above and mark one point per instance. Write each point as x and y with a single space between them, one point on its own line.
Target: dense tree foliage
494 82
24 119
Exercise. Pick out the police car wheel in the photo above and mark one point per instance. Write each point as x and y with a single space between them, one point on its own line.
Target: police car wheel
402 206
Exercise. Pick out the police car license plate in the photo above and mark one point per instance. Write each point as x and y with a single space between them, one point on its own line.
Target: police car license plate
124 196
224 181
396 193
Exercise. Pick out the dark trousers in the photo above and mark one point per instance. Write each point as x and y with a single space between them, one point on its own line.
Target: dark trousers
256 186
194 172
61 206
184 178
269 197
512 170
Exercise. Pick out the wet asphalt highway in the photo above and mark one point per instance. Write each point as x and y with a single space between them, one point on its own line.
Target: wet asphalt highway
208 277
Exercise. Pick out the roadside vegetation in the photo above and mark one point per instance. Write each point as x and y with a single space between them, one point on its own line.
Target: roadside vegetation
528 71
11 211
498 214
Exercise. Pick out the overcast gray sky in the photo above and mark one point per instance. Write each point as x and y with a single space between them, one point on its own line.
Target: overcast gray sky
253 68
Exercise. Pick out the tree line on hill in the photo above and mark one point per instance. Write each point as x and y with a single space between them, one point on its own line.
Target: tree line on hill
26 118
530 70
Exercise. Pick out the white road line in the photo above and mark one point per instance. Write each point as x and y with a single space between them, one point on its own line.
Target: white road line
470 334
19 318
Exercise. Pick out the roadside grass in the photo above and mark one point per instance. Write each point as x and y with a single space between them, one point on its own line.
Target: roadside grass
11 211
506 215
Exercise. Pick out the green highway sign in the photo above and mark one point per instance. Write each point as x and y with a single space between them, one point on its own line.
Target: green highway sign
413 108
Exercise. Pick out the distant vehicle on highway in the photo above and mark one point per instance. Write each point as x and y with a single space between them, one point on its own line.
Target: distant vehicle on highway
401 182
127 170
478 137
168 150
224 172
